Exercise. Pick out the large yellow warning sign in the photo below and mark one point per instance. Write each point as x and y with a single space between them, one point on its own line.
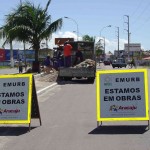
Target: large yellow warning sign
122 95
15 98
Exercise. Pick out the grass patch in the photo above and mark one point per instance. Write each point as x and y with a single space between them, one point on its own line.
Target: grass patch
5 67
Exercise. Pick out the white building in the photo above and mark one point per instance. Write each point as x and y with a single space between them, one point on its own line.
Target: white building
133 48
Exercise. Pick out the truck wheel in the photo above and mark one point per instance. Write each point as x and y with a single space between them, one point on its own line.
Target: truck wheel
78 77
67 78
60 78
91 80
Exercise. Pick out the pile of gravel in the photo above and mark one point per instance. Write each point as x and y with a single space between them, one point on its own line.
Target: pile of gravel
86 63
44 77
50 77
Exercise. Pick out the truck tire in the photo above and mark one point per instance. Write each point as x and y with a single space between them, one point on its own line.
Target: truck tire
67 78
91 79
78 77
60 78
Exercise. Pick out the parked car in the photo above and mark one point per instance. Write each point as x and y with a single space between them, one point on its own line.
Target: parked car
107 62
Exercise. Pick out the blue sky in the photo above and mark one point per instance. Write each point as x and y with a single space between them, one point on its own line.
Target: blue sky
93 16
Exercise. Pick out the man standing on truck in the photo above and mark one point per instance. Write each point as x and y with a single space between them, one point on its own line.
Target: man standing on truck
78 57
67 54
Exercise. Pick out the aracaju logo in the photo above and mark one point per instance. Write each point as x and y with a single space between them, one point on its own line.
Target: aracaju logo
9 111
121 108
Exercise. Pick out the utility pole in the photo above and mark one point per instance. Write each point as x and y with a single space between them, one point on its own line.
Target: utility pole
128 36
118 40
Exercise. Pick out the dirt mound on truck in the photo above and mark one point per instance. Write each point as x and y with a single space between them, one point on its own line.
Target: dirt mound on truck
87 63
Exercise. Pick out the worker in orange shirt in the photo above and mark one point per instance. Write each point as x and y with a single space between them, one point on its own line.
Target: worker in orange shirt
67 54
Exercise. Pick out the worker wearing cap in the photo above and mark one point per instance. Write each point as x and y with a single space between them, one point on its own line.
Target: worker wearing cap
67 54
47 65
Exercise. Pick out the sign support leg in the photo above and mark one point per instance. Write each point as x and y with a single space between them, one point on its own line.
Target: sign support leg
99 124
148 124
40 120
29 127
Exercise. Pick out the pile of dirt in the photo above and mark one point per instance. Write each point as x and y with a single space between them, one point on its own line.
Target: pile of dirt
46 77
87 63
50 77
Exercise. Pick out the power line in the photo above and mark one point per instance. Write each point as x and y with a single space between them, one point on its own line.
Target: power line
137 8
141 14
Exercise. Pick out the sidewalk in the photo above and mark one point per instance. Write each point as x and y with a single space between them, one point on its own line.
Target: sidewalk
40 85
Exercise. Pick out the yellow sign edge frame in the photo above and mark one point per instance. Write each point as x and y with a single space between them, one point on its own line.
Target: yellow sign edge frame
98 73
28 120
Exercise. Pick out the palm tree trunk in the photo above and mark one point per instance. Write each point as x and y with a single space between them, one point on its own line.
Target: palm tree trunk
24 45
36 64
36 55
11 55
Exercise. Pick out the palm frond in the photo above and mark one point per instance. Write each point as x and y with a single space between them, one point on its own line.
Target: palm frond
47 5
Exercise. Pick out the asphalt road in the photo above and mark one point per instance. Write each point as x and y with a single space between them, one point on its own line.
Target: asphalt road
68 113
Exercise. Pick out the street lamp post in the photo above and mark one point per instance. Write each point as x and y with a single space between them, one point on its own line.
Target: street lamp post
118 40
76 25
104 28
104 37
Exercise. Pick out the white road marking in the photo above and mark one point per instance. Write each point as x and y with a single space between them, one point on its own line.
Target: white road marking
38 92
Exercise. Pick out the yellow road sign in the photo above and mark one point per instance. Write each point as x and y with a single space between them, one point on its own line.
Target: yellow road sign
122 95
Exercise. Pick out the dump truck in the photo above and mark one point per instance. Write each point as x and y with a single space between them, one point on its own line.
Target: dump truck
85 69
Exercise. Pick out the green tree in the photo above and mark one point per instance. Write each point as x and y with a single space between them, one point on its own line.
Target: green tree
99 52
88 38
30 23
98 48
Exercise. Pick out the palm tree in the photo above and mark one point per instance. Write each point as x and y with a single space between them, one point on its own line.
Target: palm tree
32 24
88 38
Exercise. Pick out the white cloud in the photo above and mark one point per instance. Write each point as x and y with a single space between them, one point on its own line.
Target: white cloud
110 45
113 44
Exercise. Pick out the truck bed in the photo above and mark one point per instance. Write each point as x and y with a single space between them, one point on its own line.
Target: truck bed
77 72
